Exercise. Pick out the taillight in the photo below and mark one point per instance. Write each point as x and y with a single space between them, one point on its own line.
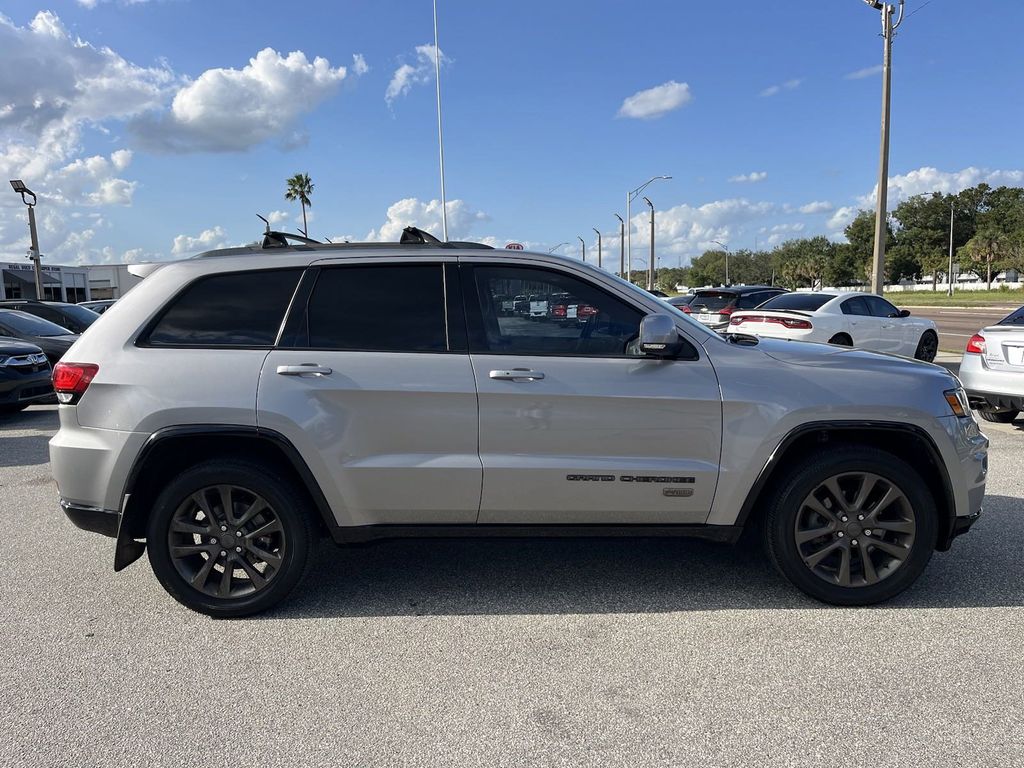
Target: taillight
687 310
70 380
737 320
801 324
976 344
727 311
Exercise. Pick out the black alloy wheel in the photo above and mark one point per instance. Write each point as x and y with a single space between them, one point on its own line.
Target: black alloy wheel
927 347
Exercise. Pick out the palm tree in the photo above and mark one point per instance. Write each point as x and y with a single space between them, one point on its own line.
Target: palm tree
300 187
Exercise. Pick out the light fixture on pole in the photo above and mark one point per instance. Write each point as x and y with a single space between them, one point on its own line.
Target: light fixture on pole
583 249
552 250
622 248
650 267
598 246
726 249
881 230
630 197
33 254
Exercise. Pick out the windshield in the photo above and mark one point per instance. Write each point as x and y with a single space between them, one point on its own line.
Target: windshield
808 302
712 301
25 324
84 315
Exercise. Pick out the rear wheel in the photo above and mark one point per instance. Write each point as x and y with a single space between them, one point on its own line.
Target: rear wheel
927 347
229 538
842 340
854 527
999 417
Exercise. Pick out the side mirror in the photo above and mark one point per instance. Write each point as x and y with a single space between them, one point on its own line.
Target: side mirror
659 337
904 313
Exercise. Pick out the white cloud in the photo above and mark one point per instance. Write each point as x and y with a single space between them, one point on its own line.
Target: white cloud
841 219
359 65
657 101
928 179
749 178
204 241
277 217
412 212
226 110
789 85
408 75
818 206
860 74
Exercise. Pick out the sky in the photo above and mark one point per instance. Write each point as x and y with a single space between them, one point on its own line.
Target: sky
152 130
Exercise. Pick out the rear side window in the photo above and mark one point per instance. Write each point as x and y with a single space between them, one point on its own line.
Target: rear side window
236 309
855 306
387 308
807 302
1014 318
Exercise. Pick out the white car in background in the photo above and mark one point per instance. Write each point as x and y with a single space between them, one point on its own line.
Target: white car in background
851 319
993 369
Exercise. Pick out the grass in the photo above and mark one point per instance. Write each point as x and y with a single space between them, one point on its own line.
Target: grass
995 298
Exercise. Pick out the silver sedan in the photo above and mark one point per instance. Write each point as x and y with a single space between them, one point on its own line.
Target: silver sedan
992 370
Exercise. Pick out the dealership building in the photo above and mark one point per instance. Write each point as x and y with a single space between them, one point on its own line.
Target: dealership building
61 283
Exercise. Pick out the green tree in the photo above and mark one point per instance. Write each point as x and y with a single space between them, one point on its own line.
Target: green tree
300 187
861 235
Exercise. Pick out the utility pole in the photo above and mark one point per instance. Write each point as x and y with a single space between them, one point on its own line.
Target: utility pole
598 246
650 267
881 228
949 275
440 137
622 248
33 253
583 249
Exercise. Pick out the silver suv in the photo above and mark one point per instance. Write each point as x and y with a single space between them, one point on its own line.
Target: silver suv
235 406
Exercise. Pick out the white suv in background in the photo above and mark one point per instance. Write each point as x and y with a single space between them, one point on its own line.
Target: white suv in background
234 406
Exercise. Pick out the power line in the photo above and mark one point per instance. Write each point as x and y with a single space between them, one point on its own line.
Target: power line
920 7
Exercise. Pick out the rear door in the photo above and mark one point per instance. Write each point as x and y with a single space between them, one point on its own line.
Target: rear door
372 383
865 329
575 427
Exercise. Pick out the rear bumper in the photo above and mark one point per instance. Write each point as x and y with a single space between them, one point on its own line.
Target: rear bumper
93 519
995 401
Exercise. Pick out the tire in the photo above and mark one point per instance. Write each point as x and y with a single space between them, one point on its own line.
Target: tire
927 347
842 340
999 417
874 572
186 553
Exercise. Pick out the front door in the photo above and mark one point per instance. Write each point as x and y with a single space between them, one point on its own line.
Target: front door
373 385
575 426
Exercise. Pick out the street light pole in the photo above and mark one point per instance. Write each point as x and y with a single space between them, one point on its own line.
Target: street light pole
630 197
552 250
650 267
598 246
881 230
33 254
949 275
726 249
583 248
622 248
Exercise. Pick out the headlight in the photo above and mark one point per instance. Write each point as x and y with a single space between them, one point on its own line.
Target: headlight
958 403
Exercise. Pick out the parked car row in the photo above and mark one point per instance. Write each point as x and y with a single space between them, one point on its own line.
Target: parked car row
560 308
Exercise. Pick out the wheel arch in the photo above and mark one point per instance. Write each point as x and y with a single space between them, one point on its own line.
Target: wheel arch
912 443
171 450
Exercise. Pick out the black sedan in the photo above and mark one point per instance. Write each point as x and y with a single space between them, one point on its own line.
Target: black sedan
24 375
51 338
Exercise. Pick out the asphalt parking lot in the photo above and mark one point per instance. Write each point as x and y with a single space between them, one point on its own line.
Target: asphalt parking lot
610 653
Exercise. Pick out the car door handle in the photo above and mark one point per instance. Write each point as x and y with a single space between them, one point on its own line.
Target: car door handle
517 374
304 369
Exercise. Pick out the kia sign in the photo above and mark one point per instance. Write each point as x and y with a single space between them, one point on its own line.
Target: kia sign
514 247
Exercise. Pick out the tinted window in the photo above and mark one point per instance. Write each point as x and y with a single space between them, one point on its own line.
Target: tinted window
82 315
24 324
855 306
712 301
680 301
238 309
388 308
573 317
752 300
879 307
1014 318
806 302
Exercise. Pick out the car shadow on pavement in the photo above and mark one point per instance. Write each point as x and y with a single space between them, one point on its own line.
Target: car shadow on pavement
609 576
26 449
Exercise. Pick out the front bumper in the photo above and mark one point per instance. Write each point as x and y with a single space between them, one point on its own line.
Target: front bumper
19 389
961 525
93 519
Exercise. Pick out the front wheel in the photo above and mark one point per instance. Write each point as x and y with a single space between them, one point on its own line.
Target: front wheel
229 538
854 527
927 347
